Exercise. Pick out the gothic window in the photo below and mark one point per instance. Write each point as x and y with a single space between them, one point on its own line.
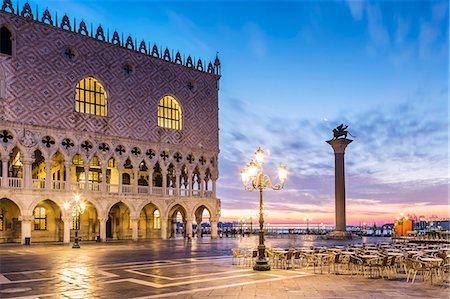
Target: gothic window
2 219
169 113
40 218
5 41
156 220
90 97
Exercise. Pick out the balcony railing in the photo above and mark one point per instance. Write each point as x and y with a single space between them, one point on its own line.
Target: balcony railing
112 188
38 184
171 191
96 187
157 190
17 183
143 189
58 185
127 189
77 186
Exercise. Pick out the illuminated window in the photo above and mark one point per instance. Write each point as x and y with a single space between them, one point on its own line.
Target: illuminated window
169 113
2 219
156 220
90 97
40 218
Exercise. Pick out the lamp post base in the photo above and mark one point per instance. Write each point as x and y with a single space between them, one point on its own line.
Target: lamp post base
76 244
261 265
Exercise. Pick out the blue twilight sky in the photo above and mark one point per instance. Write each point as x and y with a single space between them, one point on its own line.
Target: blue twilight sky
293 70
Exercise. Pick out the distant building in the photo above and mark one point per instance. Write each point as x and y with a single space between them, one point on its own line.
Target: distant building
434 224
130 127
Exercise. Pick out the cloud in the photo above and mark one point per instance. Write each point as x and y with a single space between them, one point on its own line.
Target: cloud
256 40
377 30
356 9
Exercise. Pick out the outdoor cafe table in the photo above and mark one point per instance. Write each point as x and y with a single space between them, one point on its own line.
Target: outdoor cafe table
395 253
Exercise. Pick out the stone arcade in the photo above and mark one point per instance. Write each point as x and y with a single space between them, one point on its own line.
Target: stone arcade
131 128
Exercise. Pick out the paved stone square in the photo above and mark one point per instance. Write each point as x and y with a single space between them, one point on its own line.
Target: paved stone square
176 269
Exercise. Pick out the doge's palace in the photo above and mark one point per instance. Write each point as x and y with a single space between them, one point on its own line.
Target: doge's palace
126 126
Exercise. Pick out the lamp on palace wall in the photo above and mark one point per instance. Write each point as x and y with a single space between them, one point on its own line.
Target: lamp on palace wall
77 207
253 179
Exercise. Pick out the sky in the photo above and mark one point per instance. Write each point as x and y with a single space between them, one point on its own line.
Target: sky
294 70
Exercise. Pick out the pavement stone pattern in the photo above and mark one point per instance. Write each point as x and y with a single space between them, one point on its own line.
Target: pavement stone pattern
176 269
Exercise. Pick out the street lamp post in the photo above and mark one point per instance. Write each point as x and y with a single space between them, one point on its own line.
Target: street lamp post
254 179
307 219
77 207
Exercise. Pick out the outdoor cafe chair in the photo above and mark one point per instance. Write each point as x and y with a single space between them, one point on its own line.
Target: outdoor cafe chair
237 257
415 266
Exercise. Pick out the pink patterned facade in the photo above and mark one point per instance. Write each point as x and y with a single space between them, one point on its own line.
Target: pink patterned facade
126 149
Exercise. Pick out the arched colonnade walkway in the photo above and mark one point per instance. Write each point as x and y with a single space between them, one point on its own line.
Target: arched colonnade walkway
44 219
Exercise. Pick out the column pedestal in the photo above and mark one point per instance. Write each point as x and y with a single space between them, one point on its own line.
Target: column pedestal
26 227
135 229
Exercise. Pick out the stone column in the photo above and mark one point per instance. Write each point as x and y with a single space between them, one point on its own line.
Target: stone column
135 181
26 221
202 185
214 179
188 228
104 171
199 226
103 228
86 178
67 165
177 183
339 146
135 228
164 228
27 175
150 180
164 182
5 182
48 168
66 220
213 224
120 170
188 186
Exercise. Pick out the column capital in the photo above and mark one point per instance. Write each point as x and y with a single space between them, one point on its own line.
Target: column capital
339 145
102 219
66 218
26 218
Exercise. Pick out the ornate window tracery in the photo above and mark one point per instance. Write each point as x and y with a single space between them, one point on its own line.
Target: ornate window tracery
169 113
90 97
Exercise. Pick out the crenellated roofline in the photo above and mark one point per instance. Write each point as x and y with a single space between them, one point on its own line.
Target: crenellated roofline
116 39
